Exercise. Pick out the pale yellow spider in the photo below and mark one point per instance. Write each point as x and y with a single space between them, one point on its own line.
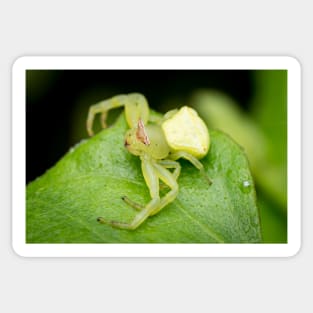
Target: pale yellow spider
158 142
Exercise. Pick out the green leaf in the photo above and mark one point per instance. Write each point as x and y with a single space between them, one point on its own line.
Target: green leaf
89 181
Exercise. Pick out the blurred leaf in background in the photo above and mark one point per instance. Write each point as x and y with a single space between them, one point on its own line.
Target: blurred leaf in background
262 133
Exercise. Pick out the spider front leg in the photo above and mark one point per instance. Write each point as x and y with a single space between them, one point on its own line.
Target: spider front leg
152 172
136 107
169 179
171 164
133 204
193 160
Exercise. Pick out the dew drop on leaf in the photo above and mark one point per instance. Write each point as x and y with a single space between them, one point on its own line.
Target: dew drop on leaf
246 186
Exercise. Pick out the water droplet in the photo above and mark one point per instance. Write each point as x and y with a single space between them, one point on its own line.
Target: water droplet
246 183
246 186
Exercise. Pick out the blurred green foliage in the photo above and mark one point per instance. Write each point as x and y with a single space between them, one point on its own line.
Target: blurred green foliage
262 132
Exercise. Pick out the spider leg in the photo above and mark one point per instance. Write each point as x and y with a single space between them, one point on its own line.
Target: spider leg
136 108
103 119
152 172
103 107
171 164
169 179
132 203
165 163
137 221
152 181
193 160
135 104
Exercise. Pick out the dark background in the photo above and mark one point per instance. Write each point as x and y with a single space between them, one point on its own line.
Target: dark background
57 102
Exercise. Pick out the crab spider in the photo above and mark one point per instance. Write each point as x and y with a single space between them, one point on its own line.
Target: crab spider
159 143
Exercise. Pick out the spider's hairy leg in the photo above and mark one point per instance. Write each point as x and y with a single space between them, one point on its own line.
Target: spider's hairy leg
193 160
135 104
